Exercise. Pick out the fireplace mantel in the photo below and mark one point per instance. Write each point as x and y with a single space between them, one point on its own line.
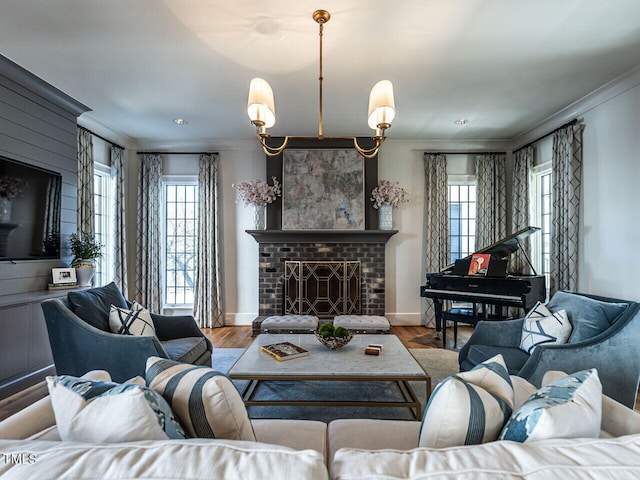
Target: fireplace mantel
321 236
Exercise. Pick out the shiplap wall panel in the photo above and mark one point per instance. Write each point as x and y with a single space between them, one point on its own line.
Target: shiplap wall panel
37 126
36 131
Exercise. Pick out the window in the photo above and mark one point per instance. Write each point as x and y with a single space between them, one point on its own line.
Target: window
542 215
462 219
102 214
181 229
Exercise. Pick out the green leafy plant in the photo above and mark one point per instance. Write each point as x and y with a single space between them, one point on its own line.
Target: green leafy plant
84 247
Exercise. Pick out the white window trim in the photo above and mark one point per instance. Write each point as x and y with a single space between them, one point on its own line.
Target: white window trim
106 171
171 180
536 240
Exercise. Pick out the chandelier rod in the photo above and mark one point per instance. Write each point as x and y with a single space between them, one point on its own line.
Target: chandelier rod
321 17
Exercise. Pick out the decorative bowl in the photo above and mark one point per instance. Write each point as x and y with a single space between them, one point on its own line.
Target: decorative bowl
334 342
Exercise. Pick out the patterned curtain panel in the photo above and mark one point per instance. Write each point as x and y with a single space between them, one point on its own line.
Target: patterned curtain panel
567 178
208 291
86 218
119 253
51 231
436 220
491 214
520 208
148 285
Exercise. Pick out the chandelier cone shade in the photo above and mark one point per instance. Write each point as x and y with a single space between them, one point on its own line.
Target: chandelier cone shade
262 112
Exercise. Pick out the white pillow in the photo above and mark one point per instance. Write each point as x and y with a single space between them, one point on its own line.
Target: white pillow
570 407
206 401
468 408
136 321
94 411
541 327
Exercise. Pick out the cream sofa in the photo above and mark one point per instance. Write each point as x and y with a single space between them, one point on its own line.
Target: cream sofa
344 449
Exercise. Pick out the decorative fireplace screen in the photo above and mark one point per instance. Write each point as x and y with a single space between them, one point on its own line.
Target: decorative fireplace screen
324 289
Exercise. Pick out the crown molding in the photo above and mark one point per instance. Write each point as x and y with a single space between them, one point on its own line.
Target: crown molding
87 121
26 79
619 85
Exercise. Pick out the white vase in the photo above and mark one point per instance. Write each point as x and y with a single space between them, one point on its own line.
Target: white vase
85 272
385 219
5 210
259 217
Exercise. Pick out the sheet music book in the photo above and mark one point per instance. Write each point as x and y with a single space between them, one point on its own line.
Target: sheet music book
479 264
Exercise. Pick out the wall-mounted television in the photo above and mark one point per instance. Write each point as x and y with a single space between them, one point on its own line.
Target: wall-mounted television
30 202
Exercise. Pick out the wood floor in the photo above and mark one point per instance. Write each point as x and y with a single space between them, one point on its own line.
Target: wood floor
411 337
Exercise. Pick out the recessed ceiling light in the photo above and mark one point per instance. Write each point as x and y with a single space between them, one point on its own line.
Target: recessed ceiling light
461 121
180 121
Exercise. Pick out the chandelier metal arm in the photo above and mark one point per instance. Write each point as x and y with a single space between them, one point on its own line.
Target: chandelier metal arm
369 152
274 151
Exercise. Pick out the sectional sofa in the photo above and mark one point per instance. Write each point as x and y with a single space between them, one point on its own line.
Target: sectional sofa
30 447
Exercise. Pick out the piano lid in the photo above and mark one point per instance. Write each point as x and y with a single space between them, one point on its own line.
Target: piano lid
504 247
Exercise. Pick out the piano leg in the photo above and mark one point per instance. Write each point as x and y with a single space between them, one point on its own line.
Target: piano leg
437 306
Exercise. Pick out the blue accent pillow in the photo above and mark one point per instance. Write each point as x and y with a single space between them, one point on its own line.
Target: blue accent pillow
589 316
93 305
570 407
94 411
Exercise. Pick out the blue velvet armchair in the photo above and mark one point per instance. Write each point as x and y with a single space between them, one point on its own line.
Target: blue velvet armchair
81 340
614 352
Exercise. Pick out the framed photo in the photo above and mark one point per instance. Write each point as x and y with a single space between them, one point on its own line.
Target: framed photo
323 189
63 275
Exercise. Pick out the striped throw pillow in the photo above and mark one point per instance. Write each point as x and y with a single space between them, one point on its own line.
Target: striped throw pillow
468 408
206 402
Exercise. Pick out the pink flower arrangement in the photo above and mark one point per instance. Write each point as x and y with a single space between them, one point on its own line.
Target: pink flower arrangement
11 187
257 192
387 193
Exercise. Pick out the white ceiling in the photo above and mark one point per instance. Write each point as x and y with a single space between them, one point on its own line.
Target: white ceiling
506 65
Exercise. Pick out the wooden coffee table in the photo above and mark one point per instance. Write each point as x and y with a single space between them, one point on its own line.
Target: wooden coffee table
348 363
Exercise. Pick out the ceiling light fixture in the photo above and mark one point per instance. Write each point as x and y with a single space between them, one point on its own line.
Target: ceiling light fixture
261 109
461 121
180 121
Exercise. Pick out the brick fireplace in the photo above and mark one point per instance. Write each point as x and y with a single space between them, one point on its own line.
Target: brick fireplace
278 246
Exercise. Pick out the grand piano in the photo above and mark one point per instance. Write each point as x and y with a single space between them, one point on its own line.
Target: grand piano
495 288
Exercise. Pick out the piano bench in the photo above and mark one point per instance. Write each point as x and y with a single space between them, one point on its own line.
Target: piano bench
462 315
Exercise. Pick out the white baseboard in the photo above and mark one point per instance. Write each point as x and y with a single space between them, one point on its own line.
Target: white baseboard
239 319
396 319
404 319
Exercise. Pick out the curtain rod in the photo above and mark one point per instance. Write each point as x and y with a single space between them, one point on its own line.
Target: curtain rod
179 153
572 122
465 153
99 136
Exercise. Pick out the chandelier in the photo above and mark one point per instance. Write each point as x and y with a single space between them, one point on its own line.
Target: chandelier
261 109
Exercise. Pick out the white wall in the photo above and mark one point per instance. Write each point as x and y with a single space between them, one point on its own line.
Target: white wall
610 225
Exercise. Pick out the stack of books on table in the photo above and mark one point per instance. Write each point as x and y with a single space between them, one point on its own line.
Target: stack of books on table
63 286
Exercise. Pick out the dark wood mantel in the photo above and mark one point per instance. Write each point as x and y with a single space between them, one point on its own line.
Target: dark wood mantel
321 236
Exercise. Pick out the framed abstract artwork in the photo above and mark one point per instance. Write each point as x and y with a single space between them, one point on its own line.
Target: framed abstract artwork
323 189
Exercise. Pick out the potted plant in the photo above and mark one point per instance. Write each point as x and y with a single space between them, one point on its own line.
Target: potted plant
85 250
386 196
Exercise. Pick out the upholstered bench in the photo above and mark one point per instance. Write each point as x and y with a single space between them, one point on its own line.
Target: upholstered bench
289 324
362 323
